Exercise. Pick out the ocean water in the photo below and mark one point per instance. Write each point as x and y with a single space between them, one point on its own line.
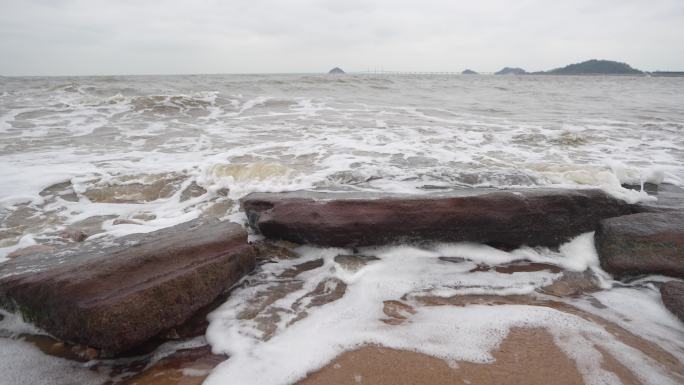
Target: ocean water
158 150
119 155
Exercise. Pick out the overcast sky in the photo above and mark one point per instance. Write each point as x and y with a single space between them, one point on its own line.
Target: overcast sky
90 37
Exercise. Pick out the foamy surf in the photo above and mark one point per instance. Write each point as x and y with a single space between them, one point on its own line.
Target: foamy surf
278 327
233 135
115 156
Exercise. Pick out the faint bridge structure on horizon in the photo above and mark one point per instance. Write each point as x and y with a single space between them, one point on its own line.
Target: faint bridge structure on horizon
386 72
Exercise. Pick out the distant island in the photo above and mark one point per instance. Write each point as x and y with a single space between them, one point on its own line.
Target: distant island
594 67
511 71
588 67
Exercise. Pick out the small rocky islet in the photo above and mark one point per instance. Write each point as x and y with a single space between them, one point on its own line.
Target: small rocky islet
587 67
124 298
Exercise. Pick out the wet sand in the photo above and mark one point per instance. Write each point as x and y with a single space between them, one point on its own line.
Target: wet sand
525 357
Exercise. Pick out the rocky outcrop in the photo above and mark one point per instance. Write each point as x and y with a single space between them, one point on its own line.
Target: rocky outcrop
336 71
507 218
595 67
673 297
511 71
645 243
469 72
116 296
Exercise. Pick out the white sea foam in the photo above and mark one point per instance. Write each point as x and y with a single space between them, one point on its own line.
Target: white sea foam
640 310
232 135
406 273
23 363
284 133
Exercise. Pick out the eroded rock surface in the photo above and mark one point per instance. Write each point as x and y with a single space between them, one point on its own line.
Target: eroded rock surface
533 216
645 243
116 296
29 250
673 297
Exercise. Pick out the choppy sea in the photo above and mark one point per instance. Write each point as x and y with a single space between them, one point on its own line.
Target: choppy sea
117 155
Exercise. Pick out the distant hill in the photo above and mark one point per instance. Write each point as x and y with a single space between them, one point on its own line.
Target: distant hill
595 67
511 71
469 72
336 71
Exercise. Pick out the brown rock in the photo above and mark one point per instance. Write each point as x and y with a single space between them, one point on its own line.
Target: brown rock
135 188
525 266
572 283
326 291
64 190
118 296
397 312
184 367
274 250
354 262
645 243
302 267
533 216
145 216
123 221
192 191
218 209
75 235
673 297
91 353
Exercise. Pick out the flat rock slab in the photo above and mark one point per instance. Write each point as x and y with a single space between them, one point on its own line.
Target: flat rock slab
673 297
120 294
645 243
508 218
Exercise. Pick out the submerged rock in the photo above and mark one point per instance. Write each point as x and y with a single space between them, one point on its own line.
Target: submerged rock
273 251
534 217
80 230
192 191
353 262
118 295
76 235
644 243
673 297
184 367
30 250
63 190
134 188
572 283
124 221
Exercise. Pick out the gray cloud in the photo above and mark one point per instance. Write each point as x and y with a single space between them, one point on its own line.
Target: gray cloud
68 37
